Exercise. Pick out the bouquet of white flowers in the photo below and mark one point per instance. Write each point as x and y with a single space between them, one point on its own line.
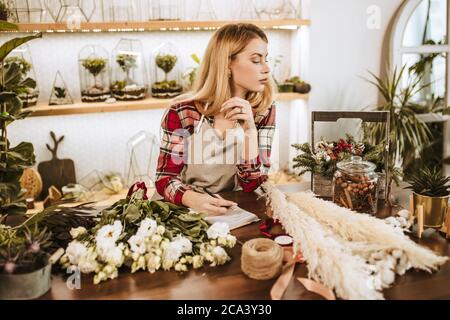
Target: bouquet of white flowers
148 235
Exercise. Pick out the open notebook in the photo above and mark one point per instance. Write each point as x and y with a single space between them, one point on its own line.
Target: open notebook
235 217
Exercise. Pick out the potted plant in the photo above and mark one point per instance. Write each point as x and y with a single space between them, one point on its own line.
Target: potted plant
127 89
408 134
94 89
431 190
28 95
300 86
25 267
166 88
14 159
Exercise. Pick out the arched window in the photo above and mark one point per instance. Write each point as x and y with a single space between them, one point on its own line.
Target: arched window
420 40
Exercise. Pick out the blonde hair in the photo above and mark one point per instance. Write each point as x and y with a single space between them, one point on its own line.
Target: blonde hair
212 84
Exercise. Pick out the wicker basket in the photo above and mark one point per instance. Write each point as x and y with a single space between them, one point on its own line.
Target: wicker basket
322 186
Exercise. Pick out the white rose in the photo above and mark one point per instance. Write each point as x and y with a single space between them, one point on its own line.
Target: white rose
110 253
173 252
220 255
110 231
147 228
75 251
137 244
75 232
218 229
184 243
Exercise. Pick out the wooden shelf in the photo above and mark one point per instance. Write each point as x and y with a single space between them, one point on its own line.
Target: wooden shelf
147 104
167 25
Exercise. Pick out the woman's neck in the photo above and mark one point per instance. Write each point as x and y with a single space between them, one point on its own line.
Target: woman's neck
237 91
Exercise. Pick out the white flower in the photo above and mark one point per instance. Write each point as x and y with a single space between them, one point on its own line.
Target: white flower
110 253
156 239
153 263
137 244
220 255
88 262
160 230
147 228
75 251
75 232
173 252
218 229
184 243
197 261
109 232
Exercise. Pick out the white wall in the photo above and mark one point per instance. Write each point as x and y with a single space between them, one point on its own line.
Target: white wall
342 49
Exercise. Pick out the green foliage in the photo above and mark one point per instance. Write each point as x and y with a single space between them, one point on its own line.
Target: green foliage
126 61
430 182
23 249
24 65
94 65
13 160
408 134
60 92
166 62
166 85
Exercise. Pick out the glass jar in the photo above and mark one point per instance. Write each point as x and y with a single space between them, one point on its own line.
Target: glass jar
355 185
129 74
94 73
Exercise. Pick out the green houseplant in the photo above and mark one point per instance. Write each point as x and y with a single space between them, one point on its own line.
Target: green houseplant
431 189
24 265
28 95
127 89
408 134
94 88
13 159
166 88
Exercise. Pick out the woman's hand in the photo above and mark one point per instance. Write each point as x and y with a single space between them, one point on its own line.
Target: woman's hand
239 109
201 202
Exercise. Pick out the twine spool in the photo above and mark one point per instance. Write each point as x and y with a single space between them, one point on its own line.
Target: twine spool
261 259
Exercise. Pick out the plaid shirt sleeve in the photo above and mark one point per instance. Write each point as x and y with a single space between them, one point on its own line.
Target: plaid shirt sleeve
170 160
251 174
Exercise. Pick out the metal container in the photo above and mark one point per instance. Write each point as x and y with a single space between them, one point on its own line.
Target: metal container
434 209
25 286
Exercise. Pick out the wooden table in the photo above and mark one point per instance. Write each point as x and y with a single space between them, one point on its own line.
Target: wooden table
228 281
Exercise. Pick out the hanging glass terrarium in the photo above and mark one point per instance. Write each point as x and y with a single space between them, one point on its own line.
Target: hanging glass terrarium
22 57
28 11
166 72
128 79
94 79
60 94
6 11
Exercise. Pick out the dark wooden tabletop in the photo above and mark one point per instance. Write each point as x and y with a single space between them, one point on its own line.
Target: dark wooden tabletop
228 281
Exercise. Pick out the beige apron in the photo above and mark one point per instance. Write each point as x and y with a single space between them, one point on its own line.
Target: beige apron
211 161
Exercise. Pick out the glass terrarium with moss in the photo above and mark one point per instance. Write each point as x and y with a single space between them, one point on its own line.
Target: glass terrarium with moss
94 76
166 72
128 77
22 57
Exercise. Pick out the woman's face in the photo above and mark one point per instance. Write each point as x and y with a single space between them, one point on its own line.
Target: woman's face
249 68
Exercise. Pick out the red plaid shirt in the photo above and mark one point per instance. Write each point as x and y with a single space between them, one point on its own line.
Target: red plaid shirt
251 174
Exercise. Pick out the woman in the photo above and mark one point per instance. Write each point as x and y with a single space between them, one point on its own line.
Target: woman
219 137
